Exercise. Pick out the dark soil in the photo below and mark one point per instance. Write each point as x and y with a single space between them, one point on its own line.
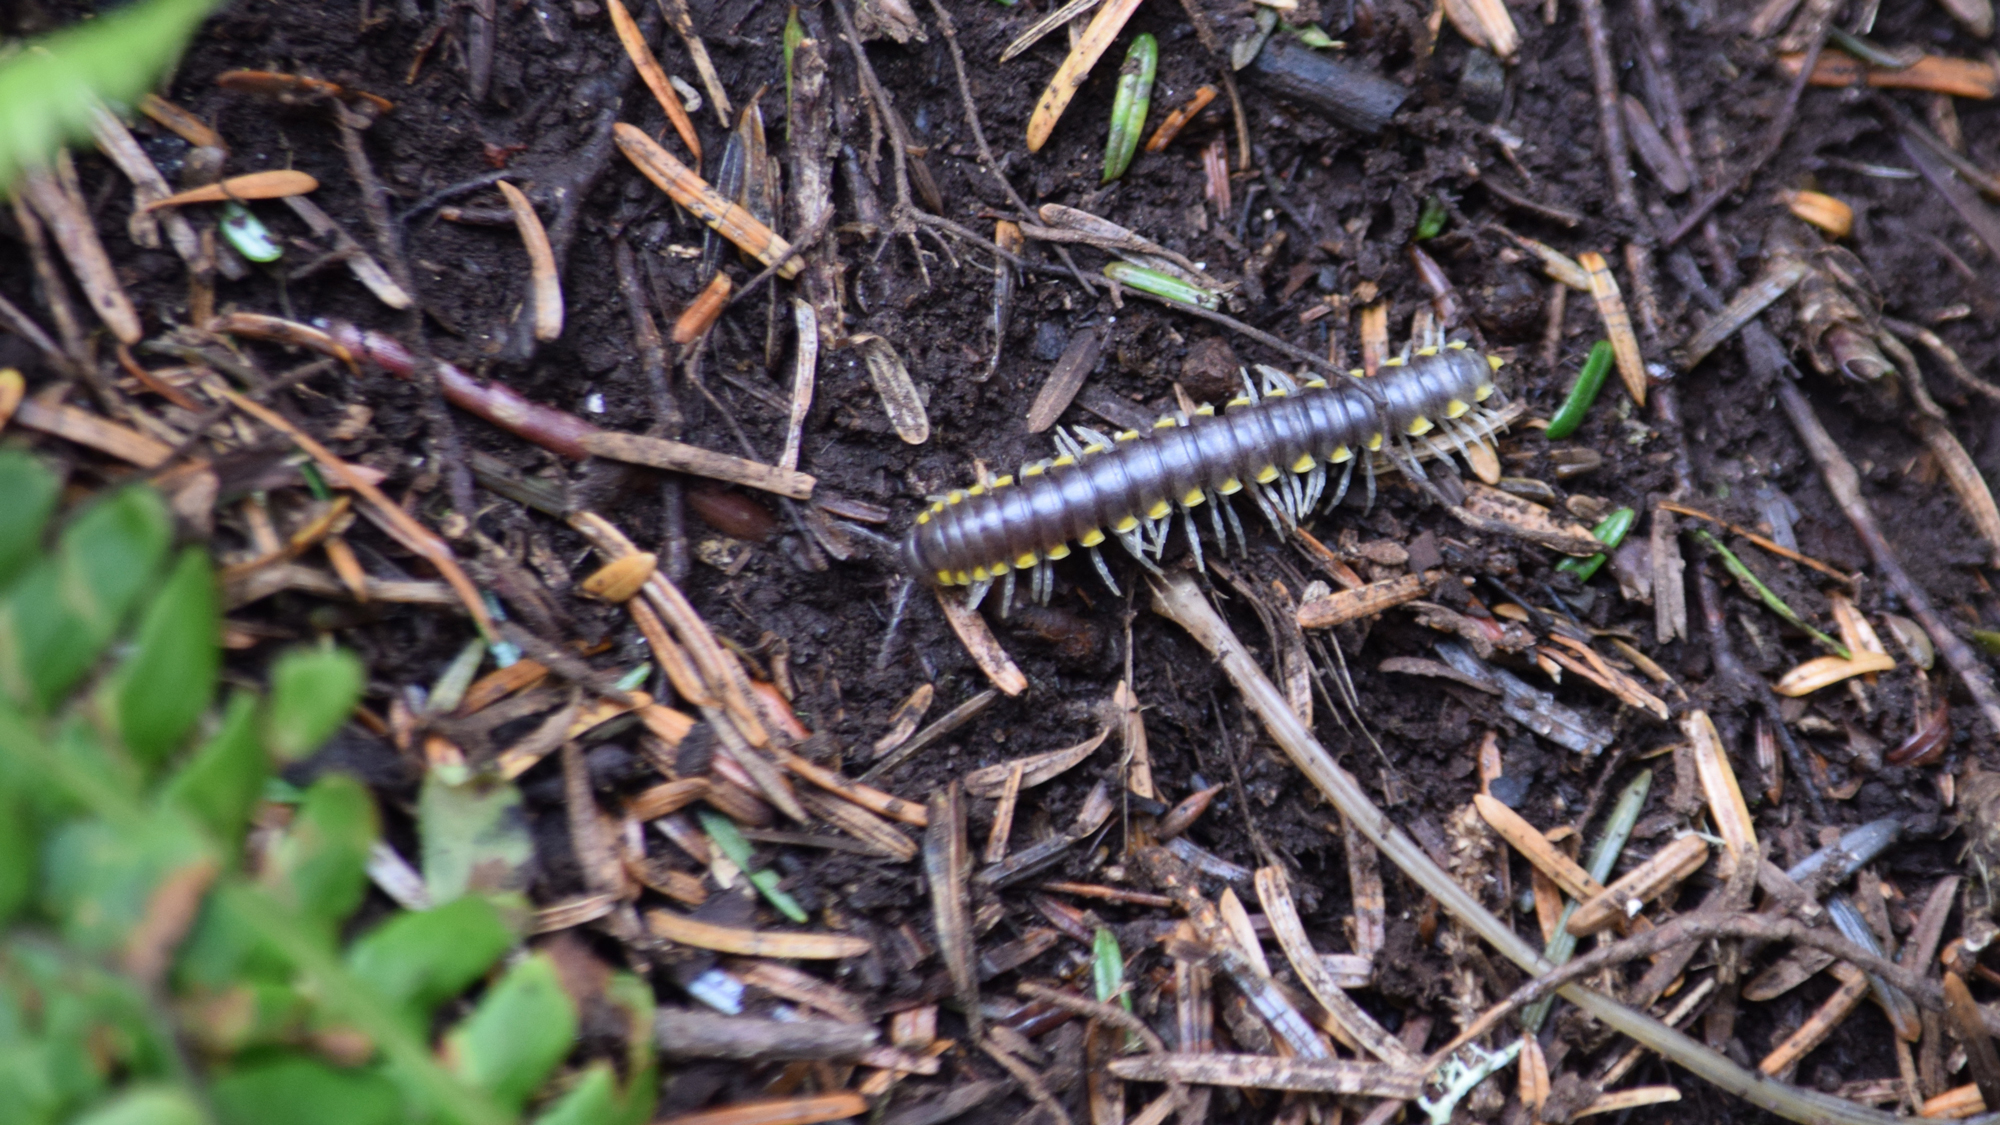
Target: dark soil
1346 205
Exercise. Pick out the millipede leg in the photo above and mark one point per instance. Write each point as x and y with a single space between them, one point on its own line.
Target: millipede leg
1346 478
1235 525
1104 572
1368 471
1194 539
1044 584
976 593
1315 486
1215 506
1007 595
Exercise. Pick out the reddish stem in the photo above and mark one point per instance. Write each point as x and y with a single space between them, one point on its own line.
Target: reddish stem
557 431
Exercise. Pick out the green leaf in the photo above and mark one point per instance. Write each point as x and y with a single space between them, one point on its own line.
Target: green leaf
48 90
423 959
169 680
30 489
20 841
475 837
312 693
219 785
65 609
593 1101
67 1029
634 997
319 869
101 876
522 1028
296 1090
147 1105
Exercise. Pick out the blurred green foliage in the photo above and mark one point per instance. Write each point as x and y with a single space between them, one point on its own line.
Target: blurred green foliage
159 965
49 86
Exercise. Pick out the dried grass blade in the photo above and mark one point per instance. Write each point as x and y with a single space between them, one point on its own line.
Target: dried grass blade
642 58
1276 898
1617 323
688 189
979 642
664 453
1743 308
1041 27
1181 601
805 370
388 514
1665 870
73 423
669 926
1618 1101
1090 46
1718 782
1525 838
1265 1072
947 863
677 14
904 719
275 184
877 834
1065 379
893 385
874 800
545 285
1825 671
778 1111
1036 769
1828 1016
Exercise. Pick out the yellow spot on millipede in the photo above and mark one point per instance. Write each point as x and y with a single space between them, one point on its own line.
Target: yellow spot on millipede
1092 537
1304 464
1194 496
1267 474
1418 426
1125 524
1159 510
1059 551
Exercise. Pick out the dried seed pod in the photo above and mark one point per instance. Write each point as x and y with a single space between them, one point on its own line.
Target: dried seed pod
1823 211
702 312
620 579
892 382
733 514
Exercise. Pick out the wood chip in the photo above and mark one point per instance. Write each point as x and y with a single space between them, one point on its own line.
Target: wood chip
900 398
1090 46
1342 606
545 285
634 42
1036 769
1138 758
1525 838
1617 324
1531 519
1322 1076
669 926
1644 883
688 189
275 184
663 453
1726 807
1960 1101
980 643
1066 378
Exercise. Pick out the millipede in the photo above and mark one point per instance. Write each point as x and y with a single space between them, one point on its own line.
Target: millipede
1275 441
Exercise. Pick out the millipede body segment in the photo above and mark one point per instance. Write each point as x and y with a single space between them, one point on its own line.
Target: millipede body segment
1276 444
